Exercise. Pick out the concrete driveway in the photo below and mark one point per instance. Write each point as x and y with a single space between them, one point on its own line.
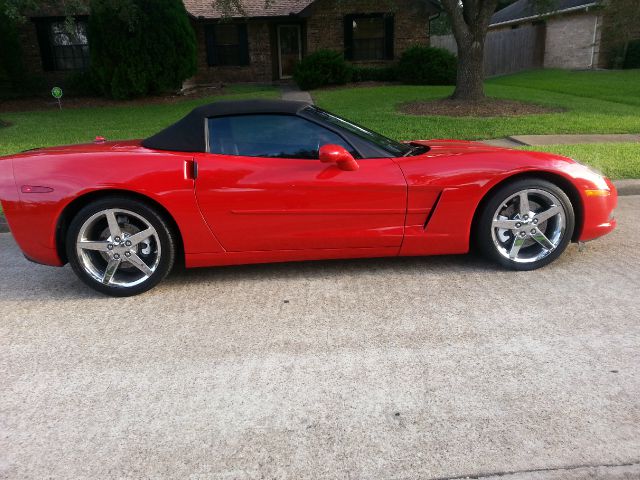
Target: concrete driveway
428 368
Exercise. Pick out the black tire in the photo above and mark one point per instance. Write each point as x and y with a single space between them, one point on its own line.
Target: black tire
164 236
489 242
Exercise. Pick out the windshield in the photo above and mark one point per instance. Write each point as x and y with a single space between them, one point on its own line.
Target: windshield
396 149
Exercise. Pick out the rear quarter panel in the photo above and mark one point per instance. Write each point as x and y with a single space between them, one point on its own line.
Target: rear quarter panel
74 172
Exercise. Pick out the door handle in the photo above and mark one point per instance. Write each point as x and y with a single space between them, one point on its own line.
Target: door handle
190 169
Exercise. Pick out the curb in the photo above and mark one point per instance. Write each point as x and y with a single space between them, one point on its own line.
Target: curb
627 187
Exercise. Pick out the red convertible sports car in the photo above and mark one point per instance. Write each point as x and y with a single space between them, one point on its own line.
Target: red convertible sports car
267 181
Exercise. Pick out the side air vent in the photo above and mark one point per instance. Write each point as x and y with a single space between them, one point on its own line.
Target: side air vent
433 209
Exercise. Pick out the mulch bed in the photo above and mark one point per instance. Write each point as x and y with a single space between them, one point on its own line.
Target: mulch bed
490 107
47 103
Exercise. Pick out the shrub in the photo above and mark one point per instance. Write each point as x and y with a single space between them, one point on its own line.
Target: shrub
140 47
632 60
324 67
427 66
374 74
82 83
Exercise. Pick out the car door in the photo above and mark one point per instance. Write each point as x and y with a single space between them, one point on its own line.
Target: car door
262 187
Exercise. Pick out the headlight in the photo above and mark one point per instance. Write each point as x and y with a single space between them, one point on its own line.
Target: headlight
598 178
590 168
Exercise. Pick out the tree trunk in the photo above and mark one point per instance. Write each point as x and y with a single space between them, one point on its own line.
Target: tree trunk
469 22
470 78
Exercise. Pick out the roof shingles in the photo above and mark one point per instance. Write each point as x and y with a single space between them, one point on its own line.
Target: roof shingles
252 8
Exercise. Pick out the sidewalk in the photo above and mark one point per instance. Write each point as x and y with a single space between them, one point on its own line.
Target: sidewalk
515 141
292 92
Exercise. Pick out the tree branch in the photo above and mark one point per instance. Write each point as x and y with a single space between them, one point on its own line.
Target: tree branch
455 13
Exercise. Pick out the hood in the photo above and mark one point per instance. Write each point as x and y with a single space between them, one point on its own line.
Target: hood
453 147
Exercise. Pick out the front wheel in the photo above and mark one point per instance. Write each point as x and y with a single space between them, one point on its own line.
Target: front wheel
526 224
120 247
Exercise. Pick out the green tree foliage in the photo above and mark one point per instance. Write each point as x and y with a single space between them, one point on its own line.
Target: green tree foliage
621 31
12 71
140 47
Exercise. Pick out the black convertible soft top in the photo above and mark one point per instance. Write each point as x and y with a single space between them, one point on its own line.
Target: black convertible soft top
188 134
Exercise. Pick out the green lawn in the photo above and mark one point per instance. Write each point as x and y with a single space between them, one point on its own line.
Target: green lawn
80 125
595 102
616 160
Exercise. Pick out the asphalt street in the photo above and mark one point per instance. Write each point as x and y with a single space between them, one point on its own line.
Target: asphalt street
413 368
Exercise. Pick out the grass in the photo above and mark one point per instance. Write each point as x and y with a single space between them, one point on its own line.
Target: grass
81 125
594 102
615 160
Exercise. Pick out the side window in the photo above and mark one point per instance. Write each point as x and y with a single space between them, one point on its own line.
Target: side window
274 136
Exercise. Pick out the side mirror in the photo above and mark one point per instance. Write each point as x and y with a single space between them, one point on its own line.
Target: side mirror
338 155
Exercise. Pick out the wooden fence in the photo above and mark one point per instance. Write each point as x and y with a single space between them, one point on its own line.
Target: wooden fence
506 51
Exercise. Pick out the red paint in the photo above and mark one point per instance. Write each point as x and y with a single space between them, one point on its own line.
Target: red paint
251 210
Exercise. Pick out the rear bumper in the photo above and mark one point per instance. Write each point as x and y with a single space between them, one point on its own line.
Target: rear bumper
35 238
598 214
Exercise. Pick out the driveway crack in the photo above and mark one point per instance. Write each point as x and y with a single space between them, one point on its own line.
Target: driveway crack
480 476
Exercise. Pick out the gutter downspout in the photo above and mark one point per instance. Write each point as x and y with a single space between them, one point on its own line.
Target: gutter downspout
543 15
593 45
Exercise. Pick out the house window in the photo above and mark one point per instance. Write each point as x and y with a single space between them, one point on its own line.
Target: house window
227 44
63 46
369 37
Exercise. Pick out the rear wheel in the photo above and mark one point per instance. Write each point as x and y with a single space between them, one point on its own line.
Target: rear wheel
526 224
120 247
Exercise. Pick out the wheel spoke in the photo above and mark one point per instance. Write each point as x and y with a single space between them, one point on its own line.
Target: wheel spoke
114 228
524 204
543 240
140 236
505 224
547 214
515 248
137 262
110 271
90 245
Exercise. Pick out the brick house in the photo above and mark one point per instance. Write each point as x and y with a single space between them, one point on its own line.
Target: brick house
570 31
262 45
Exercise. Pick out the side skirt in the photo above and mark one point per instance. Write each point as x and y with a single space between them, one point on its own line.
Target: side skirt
194 260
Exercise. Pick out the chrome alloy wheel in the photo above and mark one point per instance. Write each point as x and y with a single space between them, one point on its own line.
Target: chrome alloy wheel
528 225
118 248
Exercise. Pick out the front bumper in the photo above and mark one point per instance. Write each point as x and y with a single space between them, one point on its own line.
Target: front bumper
598 213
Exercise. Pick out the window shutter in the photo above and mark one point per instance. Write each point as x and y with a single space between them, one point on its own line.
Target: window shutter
348 36
243 41
210 40
388 37
43 31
